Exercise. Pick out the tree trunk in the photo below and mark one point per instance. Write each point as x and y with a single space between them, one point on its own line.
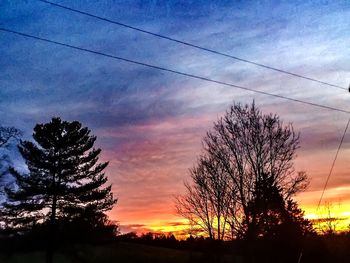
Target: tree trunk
52 227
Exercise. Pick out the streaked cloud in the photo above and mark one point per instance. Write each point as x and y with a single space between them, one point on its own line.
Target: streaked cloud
150 123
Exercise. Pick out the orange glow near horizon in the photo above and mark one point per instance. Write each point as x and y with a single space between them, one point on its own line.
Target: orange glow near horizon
339 214
147 175
172 224
180 228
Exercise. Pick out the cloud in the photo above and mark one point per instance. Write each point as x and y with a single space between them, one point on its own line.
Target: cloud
137 228
150 123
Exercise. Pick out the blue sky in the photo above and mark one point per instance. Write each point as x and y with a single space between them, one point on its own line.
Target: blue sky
150 123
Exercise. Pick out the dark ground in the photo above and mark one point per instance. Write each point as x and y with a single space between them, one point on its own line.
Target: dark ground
317 249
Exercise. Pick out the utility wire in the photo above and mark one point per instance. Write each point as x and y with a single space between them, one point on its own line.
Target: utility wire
193 45
173 71
335 159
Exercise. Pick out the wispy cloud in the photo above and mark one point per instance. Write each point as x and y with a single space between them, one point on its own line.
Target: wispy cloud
150 123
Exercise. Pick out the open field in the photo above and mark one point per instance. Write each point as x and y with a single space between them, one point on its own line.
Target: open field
321 249
119 252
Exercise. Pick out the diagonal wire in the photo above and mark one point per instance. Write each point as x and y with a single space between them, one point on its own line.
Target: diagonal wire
173 71
331 170
192 45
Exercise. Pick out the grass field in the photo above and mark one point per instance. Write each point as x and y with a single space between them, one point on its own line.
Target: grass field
331 249
119 252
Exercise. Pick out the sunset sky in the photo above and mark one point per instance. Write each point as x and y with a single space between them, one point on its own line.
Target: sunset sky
149 124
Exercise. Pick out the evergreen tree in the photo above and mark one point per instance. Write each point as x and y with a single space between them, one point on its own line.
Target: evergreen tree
65 180
273 217
266 210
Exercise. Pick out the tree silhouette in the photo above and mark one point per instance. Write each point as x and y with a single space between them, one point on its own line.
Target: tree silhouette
275 217
208 200
7 134
65 180
244 179
327 223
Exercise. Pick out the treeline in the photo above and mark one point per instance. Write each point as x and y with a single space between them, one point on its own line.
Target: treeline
314 248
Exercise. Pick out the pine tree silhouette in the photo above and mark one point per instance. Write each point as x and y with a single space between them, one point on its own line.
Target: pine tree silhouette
65 180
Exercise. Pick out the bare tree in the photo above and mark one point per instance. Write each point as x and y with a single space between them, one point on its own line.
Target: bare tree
207 202
7 135
327 223
245 175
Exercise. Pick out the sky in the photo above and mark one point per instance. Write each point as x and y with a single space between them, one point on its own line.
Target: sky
149 123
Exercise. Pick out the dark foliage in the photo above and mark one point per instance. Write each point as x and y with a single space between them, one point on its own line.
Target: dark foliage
276 218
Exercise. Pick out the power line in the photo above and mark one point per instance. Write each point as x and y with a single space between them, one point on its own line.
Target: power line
331 170
173 71
193 45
